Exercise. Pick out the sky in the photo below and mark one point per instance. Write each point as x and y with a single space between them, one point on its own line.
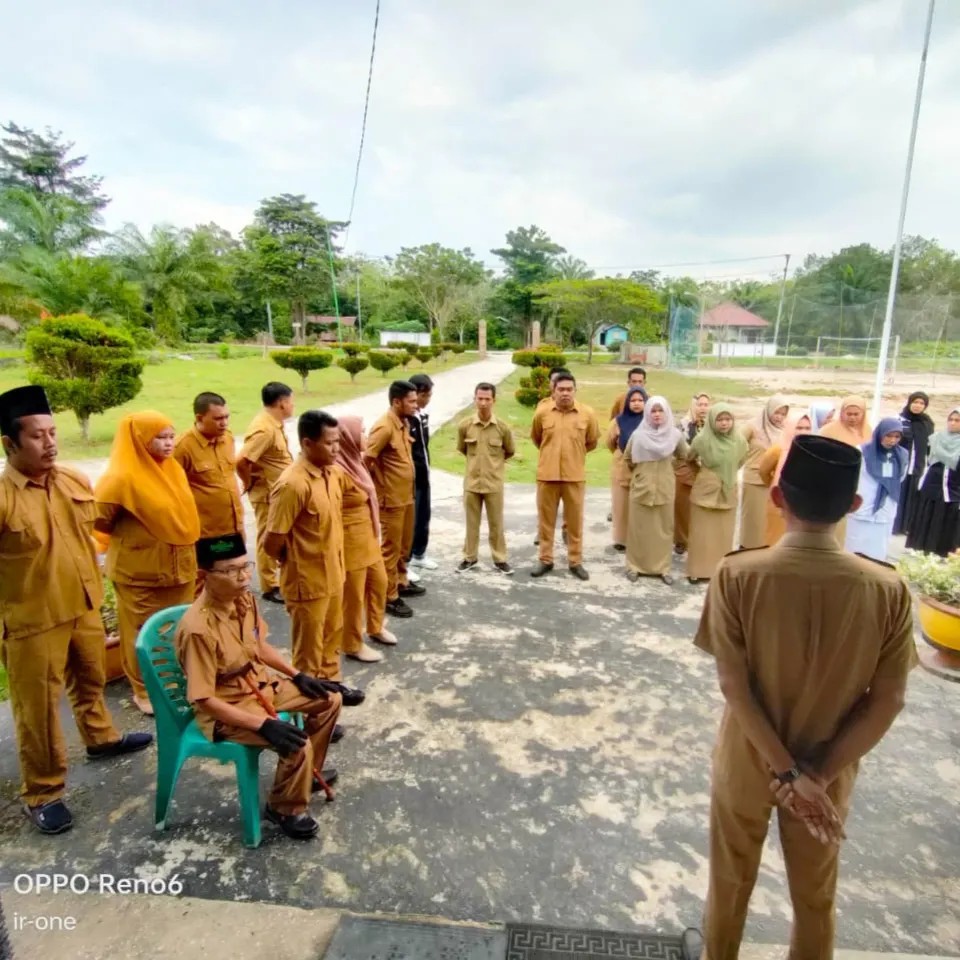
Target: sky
637 133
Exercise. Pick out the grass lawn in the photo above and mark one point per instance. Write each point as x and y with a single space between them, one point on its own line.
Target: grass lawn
597 386
170 387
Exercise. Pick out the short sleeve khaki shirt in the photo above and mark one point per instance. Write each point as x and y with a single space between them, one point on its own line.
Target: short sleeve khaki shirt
391 461
210 466
487 447
265 447
564 437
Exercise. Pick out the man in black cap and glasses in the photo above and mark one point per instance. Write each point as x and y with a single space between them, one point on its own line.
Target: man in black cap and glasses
813 648
51 634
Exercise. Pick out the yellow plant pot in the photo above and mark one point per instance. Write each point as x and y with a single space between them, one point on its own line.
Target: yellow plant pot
940 624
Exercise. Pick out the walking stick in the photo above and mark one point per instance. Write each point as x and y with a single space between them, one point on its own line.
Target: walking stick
273 713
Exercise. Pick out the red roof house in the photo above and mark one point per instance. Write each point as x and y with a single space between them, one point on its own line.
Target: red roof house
731 322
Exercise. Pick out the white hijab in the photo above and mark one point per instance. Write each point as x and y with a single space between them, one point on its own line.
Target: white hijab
650 443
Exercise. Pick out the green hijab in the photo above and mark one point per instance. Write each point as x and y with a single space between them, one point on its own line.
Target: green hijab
723 453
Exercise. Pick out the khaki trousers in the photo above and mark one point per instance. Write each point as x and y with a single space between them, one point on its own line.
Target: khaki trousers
267 567
396 540
71 655
293 782
364 598
550 493
316 630
740 807
473 504
135 605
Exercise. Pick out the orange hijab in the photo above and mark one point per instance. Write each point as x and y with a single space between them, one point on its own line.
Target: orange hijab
157 494
836 429
786 441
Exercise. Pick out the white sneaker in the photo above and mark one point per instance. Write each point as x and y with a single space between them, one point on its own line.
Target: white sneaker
413 576
424 563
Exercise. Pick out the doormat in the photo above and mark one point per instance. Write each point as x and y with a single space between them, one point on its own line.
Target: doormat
361 938
534 942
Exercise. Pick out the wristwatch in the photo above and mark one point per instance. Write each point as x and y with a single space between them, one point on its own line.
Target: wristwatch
789 776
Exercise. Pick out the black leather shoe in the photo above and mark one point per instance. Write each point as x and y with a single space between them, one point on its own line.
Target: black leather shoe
466 565
330 776
352 696
338 733
541 568
412 590
273 596
52 817
128 743
578 571
299 826
397 608
620 547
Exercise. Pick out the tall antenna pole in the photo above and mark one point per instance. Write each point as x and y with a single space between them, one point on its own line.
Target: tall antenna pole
783 291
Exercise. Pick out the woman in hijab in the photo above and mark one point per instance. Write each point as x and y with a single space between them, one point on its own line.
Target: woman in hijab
145 505
720 450
935 527
917 428
365 582
619 434
770 465
685 472
760 434
850 426
881 475
649 458
820 414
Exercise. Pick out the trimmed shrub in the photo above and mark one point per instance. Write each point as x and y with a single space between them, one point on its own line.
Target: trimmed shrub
353 365
302 360
384 362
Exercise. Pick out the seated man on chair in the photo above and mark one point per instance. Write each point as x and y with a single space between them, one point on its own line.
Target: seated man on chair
222 647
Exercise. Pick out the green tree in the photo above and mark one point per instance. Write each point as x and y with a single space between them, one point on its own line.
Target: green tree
84 365
289 246
439 279
589 304
353 365
44 198
383 361
572 268
302 360
529 259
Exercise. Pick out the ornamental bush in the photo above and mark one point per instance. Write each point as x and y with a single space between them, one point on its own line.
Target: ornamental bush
383 361
353 365
302 360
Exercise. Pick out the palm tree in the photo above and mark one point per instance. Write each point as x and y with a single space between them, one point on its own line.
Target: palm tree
165 268
572 268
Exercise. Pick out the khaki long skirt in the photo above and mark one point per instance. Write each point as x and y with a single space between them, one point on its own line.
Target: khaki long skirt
711 538
650 539
753 516
681 514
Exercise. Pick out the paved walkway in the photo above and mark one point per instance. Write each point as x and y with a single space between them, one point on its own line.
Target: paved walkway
453 390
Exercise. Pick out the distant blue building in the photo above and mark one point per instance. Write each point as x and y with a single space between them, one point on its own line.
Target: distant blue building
610 334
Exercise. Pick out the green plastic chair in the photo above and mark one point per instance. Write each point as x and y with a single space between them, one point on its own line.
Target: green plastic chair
178 735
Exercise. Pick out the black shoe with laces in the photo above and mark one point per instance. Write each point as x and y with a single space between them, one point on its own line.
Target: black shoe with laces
578 571
466 565
541 568
504 568
412 590
397 608
298 826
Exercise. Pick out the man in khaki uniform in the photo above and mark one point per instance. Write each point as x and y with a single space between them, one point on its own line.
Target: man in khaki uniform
51 634
264 456
390 462
813 647
636 377
222 646
564 432
305 533
487 443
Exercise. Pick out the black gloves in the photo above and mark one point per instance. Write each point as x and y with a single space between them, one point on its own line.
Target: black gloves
284 737
314 687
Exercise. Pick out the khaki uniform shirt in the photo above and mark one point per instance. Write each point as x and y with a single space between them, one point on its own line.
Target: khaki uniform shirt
137 558
617 407
390 460
48 565
487 447
306 508
707 491
652 482
564 438
360 547
265 447
756 448
815 627
210 466
212 645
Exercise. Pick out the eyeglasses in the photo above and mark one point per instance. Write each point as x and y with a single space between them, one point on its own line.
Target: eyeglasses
238 573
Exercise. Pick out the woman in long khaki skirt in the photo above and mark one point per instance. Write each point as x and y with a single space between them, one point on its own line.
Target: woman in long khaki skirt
649 458
720 449
685 472
618 435
760 434
770 465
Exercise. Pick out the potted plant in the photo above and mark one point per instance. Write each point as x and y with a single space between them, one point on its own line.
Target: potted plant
111 624
937 581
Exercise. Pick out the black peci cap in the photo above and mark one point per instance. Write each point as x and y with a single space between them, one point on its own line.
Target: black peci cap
212 549
819 478
21 402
